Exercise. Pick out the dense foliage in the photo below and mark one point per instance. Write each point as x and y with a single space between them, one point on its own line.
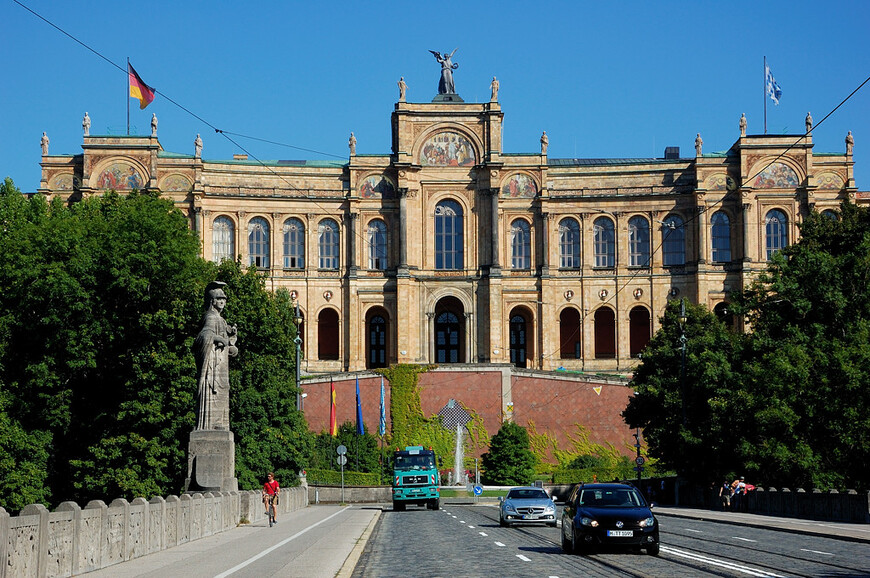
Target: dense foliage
99 305
509 461
788 403
363 451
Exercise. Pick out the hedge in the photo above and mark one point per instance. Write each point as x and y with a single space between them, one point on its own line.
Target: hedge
333 478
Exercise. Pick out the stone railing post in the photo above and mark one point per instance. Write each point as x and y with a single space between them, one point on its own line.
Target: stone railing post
157 536
125 526
99 549
173 513
42 533
4 542
76 534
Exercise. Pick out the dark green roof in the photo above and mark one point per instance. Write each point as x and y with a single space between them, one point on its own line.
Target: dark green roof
608 162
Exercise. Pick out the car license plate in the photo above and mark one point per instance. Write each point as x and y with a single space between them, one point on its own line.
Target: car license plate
620 533
528 517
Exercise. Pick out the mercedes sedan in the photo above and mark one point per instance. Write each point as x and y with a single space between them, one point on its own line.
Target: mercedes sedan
604 515
526 505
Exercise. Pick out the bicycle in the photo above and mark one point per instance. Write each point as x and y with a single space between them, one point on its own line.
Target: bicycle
270 500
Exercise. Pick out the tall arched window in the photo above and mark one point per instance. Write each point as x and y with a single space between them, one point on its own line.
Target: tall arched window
721 237
638 242
377 342
673 242
775 231
258 242
831 214
327 244
447 342
223 238
328 337
521 245
569 244
518 341
294 244
377 241
604 241
605 333
448 235
639 328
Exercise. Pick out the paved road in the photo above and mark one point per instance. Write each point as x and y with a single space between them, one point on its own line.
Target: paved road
467 541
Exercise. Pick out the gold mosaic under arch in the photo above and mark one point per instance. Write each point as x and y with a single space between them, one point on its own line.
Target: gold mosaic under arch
519 185
176 183
447 149
377 186
777 176
64 182
830 182
120 176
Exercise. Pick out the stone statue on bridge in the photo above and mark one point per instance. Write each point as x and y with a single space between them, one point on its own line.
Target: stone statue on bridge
214 345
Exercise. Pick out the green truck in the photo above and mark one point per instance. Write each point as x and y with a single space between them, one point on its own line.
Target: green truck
415 478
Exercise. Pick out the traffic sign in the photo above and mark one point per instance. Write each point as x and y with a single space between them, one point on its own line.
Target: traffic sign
341 460
639 460
341 450
478 490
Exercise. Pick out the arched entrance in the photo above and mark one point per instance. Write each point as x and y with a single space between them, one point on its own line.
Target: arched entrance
605 333
569 334
327 335
449 331
638 329
520 335
377 338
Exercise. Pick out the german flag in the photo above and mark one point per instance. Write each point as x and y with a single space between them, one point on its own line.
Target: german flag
333 424
138 88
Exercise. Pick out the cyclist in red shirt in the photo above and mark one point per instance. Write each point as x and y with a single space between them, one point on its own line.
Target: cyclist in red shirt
271 489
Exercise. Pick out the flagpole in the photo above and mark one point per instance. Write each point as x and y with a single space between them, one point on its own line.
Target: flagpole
128 96
764 94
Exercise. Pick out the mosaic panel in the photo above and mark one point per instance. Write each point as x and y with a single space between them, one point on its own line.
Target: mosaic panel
65 182
377 186
777 176
829 181
519 185
447 149
120 177
178 183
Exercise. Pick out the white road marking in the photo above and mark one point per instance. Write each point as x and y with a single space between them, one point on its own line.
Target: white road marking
253 559
482 533
691 530
816 552
721 563
523 558
461 521
499 544
744 539
472 527
454 517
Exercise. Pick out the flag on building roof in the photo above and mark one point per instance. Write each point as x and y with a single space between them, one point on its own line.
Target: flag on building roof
360 426
382 423
333 425
138 88
773 89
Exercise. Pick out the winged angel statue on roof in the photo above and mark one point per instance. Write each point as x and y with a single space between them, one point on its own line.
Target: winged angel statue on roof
445 85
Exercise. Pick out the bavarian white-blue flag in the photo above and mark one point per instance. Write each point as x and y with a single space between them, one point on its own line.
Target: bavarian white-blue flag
382 423
773 89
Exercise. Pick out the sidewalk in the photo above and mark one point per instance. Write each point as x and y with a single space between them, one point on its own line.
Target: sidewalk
837 530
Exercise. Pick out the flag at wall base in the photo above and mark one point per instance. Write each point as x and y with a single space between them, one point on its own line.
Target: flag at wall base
138 88
382 423
360 426
333 425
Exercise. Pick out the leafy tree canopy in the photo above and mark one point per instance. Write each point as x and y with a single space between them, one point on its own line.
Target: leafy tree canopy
509 461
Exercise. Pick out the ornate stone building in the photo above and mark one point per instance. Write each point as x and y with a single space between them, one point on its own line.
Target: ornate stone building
448 249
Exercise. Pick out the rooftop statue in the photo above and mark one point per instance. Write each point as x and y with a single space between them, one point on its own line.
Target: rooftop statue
86 124
445 85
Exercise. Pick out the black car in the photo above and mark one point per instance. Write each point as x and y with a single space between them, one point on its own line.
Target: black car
607 515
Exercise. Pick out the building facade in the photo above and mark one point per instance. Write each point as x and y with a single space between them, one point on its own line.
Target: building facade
450 250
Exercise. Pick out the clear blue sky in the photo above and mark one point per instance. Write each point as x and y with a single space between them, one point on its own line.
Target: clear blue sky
604 79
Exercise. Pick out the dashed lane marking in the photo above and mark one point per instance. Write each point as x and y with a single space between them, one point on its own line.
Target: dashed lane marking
816 552
472 527
721 563
743 539
499 544
692 530
482 533
523 558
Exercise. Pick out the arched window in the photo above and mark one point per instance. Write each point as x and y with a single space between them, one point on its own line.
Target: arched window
518 340
639 329
775 231
258 243
377 241
327 335
521 245
604 241
721 237
638 242
569 244
605 333
673 242
294 244
327 244
448 235
377 342
447 342
723 312
569 334
223 238
831 214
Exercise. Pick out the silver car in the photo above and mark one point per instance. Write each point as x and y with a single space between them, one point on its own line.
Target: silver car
526 505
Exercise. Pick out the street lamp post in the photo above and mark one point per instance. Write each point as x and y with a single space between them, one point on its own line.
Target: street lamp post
683 340
297 318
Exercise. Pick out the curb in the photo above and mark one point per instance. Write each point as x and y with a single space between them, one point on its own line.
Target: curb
350 563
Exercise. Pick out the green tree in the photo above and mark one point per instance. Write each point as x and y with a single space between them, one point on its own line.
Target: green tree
363 453
703 444
509 461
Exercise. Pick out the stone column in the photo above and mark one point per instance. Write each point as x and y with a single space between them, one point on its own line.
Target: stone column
352 226
403 230
545 244
495 267
703 249
747 232
430 319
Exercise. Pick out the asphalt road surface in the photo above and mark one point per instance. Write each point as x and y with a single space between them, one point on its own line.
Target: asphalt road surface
467 541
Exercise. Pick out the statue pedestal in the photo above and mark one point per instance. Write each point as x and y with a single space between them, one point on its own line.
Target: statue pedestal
211 462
